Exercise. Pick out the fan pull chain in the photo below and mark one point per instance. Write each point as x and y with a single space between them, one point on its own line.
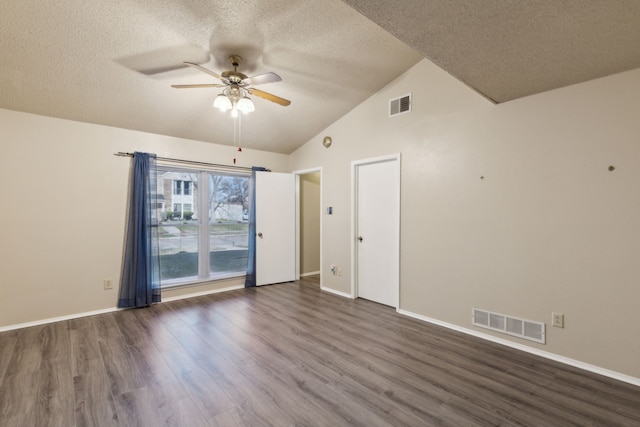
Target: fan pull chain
237 137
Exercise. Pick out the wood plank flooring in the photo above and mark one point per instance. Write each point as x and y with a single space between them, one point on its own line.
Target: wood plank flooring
287 355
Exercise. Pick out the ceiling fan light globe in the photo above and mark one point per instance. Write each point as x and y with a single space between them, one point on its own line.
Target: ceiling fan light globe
245 105
222 102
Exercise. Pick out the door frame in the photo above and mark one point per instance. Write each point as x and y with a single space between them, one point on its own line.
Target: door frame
298 211
355 164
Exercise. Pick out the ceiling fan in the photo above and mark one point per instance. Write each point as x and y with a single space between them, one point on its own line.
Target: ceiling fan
236 87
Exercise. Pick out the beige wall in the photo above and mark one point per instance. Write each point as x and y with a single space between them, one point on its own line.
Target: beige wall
64 196
549 228
310 223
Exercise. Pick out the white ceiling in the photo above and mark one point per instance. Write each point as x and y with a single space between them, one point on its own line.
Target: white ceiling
81 60
113 62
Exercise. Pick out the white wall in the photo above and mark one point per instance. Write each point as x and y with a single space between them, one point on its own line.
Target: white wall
64 196
549 228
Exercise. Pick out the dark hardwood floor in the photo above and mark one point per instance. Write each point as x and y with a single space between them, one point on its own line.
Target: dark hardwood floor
286 355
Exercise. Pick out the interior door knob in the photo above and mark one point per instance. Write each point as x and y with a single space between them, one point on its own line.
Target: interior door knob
259 234
360 238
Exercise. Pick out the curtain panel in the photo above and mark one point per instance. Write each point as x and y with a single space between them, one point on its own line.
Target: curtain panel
140 281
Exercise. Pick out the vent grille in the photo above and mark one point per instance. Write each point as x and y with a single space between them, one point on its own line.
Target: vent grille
527 329
400 105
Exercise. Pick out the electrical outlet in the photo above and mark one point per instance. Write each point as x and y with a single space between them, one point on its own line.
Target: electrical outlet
108 284
339 272
557 320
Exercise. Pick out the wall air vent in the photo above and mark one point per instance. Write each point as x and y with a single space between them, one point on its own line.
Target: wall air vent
400 105
527 329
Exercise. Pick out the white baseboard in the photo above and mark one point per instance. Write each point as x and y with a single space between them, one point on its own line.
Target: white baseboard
313 273
58 319
547 355
333 291
110 310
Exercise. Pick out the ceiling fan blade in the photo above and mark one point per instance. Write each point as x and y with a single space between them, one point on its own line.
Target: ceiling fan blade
262 79
269 97
165 60
207 71
198 85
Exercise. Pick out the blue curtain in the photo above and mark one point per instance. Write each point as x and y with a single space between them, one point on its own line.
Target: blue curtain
251 256
140 281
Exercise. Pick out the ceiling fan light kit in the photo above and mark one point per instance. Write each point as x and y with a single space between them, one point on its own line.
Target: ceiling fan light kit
237 87
222 102
245 105
234 99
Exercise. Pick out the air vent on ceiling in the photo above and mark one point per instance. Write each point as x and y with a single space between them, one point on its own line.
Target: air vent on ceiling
527 329
400 105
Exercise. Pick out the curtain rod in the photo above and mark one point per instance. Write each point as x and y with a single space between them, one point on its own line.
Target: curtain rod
190 162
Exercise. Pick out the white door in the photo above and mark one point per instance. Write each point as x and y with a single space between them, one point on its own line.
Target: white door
377 229
275 228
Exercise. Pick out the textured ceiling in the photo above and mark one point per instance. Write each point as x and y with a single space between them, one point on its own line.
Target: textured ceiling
508 49
114 62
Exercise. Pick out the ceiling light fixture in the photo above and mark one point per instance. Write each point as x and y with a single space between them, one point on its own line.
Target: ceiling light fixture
222 102
245 105
234 98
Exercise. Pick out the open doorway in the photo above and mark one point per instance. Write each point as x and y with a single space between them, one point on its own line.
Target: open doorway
309 224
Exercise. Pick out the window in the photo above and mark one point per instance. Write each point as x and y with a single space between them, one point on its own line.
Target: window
177 187
182 187
205 236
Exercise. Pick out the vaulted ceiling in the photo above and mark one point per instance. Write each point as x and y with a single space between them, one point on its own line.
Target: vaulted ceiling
508 49
113 63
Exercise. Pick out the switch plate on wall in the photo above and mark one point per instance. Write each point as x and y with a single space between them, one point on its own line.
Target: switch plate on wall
557 320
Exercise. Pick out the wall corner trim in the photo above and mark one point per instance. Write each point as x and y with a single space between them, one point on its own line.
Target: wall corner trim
547 355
